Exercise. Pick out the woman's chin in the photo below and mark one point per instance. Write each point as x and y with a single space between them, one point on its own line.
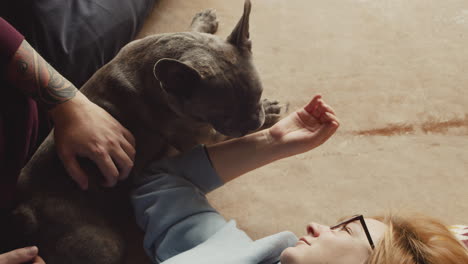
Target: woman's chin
288 255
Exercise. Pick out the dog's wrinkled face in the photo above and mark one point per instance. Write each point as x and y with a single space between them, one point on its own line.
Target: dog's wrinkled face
231 103
217 83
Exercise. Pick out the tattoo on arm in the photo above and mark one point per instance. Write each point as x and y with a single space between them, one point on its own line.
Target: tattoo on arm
36 78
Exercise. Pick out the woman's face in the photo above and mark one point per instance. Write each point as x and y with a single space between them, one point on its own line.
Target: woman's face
345 245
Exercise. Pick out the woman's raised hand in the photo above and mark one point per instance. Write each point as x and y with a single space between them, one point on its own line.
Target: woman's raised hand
306 128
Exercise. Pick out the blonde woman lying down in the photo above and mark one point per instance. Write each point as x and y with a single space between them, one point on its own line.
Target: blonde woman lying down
182 227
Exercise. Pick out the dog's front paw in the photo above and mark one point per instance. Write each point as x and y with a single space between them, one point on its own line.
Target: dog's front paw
205 22
273 112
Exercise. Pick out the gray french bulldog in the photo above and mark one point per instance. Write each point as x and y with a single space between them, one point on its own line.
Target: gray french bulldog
172 91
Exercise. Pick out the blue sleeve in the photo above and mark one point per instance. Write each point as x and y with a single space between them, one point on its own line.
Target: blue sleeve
171 207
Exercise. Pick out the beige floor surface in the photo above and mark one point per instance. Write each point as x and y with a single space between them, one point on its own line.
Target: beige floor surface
396 73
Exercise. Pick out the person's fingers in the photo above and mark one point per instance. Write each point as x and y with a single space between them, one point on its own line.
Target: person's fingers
319 109
129 149
107 167
328 118
326 132
128 136
306 118
310 107
18 256
329 128
333 119
324 118
38 260
123 161
73 168
328 108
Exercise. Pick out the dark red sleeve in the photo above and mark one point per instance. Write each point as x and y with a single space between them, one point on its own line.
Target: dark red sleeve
18 120
10 40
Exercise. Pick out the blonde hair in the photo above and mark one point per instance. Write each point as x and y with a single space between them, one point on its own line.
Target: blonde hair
417 239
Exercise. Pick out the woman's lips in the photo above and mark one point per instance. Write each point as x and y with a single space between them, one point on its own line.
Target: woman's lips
304 240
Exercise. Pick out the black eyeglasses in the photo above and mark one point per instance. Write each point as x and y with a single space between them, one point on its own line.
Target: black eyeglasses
363 223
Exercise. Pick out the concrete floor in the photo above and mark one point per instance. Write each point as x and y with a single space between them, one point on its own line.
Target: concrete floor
395 72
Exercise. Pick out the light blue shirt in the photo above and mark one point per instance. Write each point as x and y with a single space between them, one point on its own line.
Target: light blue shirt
182 227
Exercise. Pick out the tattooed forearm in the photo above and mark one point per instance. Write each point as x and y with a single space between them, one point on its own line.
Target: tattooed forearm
29 72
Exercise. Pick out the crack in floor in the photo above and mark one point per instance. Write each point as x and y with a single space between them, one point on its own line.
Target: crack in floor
428 127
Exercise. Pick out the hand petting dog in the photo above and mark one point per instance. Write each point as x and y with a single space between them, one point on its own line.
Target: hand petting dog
83 129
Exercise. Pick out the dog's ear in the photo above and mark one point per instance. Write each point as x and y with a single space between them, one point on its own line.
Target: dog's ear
177 78
240 35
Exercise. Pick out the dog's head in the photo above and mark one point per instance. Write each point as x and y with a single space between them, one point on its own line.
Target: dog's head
215 81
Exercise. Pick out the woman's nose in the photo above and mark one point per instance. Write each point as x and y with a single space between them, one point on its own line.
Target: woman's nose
315 229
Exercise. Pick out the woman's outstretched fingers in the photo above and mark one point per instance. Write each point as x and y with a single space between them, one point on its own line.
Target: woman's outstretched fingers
328 108
312 105
328 117
324 118
329 128
319 109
